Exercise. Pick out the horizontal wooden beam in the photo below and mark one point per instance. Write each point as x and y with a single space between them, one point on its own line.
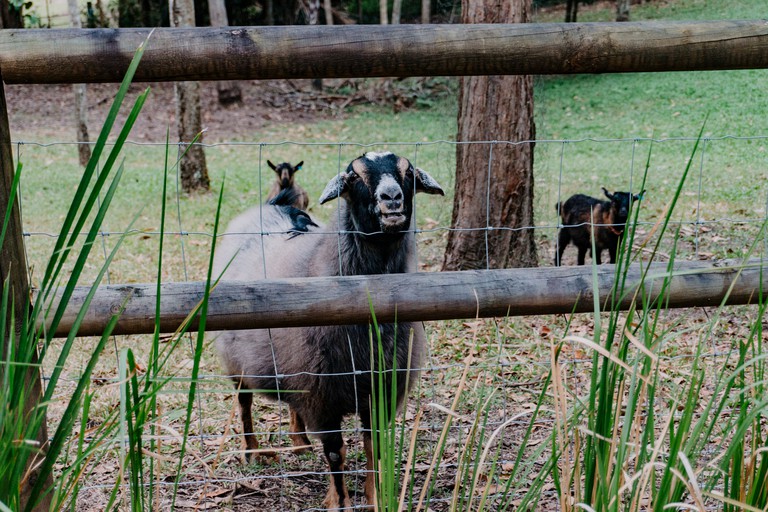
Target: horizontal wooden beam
230 53
420 296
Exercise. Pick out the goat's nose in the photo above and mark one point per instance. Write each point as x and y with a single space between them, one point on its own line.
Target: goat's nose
392 196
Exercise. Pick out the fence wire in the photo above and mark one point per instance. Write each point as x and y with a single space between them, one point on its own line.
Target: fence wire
722 208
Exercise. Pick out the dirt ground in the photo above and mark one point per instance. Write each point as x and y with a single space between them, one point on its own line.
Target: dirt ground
48 110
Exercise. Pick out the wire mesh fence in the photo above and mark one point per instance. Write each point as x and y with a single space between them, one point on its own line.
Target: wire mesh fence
481 379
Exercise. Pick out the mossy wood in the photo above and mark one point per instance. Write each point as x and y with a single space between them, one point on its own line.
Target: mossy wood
230 53
409 297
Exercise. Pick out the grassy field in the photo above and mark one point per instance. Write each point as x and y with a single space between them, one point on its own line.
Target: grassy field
536 379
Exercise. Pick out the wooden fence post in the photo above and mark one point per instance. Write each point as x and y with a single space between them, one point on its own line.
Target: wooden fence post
13 270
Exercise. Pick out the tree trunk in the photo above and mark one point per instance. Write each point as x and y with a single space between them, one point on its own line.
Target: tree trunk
314 19
328 8
426 11
10 17
571 8
383 12
81 104
622 10
397 7
192 167
493 108
229 91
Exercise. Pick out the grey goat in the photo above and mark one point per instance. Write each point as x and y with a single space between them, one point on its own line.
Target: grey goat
330 366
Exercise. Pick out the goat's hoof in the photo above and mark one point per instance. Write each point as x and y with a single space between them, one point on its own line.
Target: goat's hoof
302 450
262 457
332 501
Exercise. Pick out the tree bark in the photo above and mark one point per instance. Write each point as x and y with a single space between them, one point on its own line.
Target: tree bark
383 17
13 271
622 10
571 8
397 8
328 8
81 103
192 167
228 90
494 182
426 11
10 17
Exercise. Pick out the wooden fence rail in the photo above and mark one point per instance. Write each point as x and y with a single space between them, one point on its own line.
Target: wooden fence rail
439 296
102 55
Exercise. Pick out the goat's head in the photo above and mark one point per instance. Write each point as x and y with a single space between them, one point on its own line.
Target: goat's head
620 203
379 189
285 172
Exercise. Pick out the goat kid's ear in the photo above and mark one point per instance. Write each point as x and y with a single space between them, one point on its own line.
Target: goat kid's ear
607 194
271 165
426 183
334 188
639 196
298 166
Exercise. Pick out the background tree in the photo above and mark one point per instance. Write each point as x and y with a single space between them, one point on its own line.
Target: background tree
228 90
493 108
426 14
193 169
10 14
571 9
81 104
622 10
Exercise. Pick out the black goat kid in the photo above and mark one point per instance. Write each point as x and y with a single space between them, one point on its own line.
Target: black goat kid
584 217
324 373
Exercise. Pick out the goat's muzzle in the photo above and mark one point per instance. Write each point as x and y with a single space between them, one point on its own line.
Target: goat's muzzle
391 214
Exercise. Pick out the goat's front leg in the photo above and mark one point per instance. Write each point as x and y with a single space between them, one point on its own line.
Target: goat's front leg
335 452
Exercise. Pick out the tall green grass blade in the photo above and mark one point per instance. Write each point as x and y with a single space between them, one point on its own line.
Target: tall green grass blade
199 344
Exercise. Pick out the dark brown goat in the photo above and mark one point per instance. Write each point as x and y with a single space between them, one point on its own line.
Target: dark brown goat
325 373
285 180
584 217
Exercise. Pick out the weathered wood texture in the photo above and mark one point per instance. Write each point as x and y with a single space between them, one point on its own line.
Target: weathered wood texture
102 55
13 271
420 296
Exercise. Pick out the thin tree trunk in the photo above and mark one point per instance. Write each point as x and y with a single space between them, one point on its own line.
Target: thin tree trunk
383 12
397 7
81 103
571 9
314 19
426 12
494 182
270 16
328 8
192 167
228 90
622 10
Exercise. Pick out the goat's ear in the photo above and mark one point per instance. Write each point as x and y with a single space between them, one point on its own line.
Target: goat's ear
298 166
271 165
334 188
426 183
639 196
607 194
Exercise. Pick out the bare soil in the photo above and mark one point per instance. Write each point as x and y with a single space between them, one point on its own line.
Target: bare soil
48 110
